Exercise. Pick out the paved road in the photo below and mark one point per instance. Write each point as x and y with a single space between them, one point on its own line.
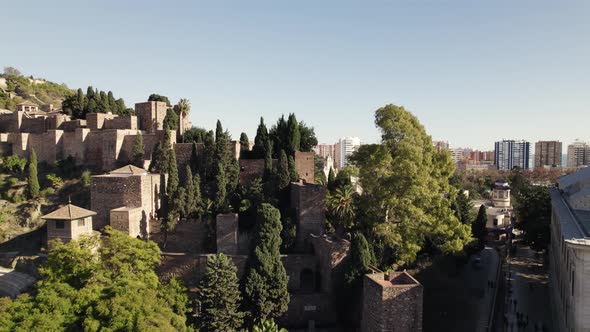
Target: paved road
527 293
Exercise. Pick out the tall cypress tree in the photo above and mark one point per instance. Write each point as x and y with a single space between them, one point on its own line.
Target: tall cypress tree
331 178
261 140
292 171
294 134
265 285
244 142
268 159
33 179
478 228
220 296
138 151
283 171
172 173
197 198
194 162
190 206
220 198
113 103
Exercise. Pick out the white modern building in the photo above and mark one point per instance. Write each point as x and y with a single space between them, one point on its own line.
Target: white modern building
569 252
344 148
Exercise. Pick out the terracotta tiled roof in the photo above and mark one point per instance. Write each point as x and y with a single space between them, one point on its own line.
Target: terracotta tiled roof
129 169
69 212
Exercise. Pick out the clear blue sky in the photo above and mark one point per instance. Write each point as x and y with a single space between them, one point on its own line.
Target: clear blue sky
472 71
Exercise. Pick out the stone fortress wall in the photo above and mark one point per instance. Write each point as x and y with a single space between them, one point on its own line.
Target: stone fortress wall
102 141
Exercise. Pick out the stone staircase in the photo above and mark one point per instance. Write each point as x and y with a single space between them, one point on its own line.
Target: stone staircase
12 283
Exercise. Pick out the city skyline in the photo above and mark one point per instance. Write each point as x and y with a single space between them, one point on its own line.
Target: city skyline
489 65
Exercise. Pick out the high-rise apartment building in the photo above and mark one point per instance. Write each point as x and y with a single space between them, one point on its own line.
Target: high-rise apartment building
440 145
548 153
578 154
509 154
344 148
326 150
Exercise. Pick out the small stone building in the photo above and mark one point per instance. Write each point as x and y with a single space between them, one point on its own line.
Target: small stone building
391 302
68 223
132 192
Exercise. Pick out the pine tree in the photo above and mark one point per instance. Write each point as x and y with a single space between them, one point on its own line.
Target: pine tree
138 151
265 285
283 171
33 179
292 171
294 134
220 296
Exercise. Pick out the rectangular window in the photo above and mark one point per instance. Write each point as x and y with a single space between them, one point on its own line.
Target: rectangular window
81 223
59 224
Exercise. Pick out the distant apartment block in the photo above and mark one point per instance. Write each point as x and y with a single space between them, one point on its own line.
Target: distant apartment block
344 149
458 154
578 154
440 145
482 156
510 154
547 154
326 150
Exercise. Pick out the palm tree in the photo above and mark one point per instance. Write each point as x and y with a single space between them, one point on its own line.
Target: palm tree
183 108
341 205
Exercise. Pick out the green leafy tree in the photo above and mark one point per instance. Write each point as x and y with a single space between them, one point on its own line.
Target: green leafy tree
195 135
220 296
157 97
308 139
533 212
404 183
462 207
110 289
33 179
138 151
265 285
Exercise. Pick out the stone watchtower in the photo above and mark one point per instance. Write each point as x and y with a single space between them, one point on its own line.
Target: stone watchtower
501 194
68 223
151 115
391 302
309 202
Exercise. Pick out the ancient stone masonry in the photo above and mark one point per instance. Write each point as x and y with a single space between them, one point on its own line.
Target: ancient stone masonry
227 233
101 142
123 190
391 302
305 165
309 203
68 223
